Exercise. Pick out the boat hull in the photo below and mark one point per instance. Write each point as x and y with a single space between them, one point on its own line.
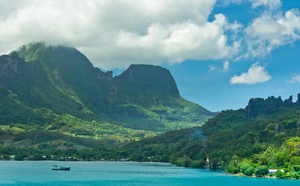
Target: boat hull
56 167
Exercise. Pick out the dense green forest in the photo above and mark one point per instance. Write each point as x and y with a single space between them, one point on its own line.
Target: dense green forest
232 140
56 105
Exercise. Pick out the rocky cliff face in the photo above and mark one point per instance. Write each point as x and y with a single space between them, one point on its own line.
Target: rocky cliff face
10 67
257 106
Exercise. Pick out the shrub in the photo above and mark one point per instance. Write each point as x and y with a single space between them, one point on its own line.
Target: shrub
250 171
198 164
261 171
183 161
232 168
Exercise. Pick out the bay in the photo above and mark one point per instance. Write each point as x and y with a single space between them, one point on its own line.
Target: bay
38 173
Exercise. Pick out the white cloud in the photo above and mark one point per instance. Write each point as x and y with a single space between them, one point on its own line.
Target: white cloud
225 66
181 41
115 34
118 33
295 79
272 4
269 4
211 68
255 74
269 32
228 2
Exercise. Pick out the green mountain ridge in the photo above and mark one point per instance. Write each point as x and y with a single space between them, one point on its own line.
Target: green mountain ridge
262 136
57 89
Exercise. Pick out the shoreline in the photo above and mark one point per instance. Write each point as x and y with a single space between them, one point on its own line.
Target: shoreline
262 177
206 168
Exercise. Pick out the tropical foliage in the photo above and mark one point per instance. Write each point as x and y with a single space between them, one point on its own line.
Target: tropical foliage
55 104
234 141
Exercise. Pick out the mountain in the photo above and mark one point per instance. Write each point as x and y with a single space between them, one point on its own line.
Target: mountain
262 136
60 79
54 102
42 85
144 91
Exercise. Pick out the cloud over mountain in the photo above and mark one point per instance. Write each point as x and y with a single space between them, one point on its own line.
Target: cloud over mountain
110 32
115 34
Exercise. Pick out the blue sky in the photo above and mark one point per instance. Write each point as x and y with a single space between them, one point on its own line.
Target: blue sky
207 84
220 52
213 90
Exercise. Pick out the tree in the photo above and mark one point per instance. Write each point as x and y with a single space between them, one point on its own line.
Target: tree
232 168
198 164
261 171
279 174
250 171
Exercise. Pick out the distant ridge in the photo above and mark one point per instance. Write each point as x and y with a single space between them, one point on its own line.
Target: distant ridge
257 106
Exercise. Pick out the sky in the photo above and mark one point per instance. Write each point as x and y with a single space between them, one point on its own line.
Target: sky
221 53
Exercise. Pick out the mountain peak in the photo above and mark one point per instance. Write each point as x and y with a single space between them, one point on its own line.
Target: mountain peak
62 59
41 51
152 77
30 52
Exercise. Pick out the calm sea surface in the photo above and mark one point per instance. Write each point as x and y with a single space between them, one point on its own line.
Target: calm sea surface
32 173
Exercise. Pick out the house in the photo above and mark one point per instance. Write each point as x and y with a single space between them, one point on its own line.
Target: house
273 171
12 157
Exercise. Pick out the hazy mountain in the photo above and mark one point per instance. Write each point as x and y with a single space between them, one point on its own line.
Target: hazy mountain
38 79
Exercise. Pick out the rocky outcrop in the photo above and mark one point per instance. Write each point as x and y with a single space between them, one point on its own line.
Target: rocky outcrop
298 100
257 106
9 66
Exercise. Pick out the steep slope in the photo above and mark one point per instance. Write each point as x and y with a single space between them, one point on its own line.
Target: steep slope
56 78
146 91
66 80
61 80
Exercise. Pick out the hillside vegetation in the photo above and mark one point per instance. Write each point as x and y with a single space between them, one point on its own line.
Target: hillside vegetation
250 141
55 91
55 103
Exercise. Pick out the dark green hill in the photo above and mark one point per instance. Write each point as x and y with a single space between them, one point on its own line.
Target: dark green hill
55 78
264 135
41 85
63 81
148 92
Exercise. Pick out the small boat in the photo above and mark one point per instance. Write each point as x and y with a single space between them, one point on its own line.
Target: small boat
56 167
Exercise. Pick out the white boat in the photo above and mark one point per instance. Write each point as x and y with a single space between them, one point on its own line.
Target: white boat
56 167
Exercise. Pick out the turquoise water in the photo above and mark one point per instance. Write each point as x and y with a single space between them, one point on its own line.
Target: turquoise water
32 173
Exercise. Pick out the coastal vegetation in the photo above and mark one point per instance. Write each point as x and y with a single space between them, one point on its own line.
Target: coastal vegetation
265 144
56 105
